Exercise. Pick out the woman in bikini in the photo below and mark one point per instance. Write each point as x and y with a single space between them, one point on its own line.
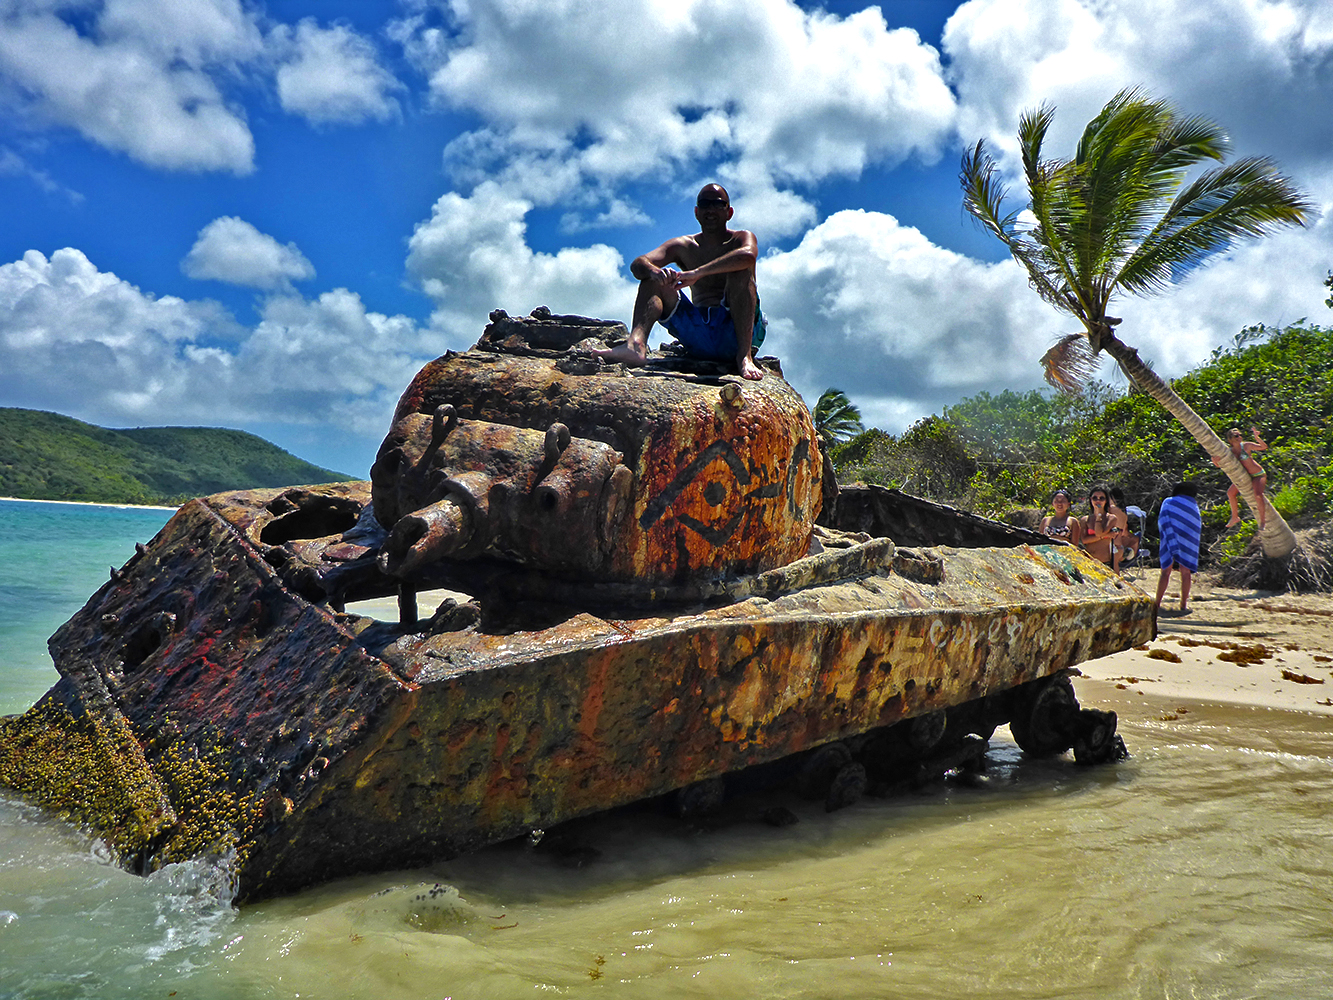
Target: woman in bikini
1060 524
1241 449
1100 526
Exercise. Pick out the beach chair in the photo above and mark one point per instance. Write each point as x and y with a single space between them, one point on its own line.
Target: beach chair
1138 558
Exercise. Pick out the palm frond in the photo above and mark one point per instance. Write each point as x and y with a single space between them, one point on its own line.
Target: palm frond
1188 141
1130 161
984 194
1044 250
1070 364
983 198
1032 128
1045 276
1114 218
1241 200
836 418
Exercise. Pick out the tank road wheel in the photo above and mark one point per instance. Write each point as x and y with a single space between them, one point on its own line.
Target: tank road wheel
703 798
820 768
980 716
925 732
890 752
1042 718
1096 741
846 788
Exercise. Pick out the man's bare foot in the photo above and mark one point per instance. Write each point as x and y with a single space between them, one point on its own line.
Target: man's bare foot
749 369
623 353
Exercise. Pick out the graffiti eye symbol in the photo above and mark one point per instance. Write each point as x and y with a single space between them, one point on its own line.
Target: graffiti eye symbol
689 474
717 521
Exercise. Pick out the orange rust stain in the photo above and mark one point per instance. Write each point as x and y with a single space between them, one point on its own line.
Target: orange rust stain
497 780
594 695
732 509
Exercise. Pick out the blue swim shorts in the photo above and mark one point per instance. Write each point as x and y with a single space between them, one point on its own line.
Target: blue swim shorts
710 332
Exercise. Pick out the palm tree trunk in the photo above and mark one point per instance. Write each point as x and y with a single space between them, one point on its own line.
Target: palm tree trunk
1276 539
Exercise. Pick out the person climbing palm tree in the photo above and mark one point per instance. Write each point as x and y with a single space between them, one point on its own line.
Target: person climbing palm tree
1118 218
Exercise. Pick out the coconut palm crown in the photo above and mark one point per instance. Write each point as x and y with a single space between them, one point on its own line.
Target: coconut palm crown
836 418
1120 217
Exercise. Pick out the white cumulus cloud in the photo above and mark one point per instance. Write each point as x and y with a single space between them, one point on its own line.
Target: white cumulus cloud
1261 68
472 256
85 342
332 75
140 80
872 307
771 96
232 250
161 80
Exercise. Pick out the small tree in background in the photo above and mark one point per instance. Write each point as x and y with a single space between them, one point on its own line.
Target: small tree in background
836 419
1118 217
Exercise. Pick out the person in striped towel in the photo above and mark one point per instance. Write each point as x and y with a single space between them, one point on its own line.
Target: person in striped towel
1179 524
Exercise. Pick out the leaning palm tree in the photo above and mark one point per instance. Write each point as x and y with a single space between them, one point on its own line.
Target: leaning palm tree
836 418
1119 217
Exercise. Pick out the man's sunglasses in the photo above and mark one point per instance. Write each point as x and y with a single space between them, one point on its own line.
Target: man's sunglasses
711 203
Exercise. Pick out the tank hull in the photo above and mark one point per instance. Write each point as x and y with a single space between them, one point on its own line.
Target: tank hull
209 705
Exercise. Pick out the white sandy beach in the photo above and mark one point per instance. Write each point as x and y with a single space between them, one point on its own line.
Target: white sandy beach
85 503
1234 647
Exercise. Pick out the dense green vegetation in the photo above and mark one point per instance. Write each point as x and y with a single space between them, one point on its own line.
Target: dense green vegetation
1118 218
998 453
44 456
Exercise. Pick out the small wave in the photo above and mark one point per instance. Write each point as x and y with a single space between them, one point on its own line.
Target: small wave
194 905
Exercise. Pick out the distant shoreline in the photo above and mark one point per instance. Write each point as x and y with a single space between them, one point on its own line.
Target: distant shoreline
90 503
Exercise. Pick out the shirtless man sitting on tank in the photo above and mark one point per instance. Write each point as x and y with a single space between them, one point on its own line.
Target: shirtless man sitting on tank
720 318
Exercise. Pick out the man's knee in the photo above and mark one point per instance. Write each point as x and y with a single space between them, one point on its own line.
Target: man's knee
652 305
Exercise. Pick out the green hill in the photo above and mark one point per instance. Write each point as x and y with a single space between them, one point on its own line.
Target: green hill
44 456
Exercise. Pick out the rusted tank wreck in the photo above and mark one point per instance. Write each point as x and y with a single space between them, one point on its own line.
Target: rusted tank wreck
645 597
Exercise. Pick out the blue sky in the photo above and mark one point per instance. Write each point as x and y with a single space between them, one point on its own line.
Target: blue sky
268 216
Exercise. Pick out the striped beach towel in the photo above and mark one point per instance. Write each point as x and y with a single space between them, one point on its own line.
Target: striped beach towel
1179 524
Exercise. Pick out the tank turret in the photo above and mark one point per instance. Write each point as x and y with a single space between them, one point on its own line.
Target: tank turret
523 451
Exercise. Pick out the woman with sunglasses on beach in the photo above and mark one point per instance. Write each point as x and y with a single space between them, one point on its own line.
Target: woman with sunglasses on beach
1100 527
1060 524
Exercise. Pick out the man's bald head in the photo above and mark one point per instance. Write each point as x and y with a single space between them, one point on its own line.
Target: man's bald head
712 194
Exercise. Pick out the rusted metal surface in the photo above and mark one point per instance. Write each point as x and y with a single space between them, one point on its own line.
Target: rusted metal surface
658 475
343 744
662 628
912 520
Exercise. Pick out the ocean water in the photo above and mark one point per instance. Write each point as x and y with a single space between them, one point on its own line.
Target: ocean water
1200 868
53 556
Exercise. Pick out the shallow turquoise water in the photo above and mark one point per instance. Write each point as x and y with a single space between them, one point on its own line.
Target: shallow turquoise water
52 558
1200 868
